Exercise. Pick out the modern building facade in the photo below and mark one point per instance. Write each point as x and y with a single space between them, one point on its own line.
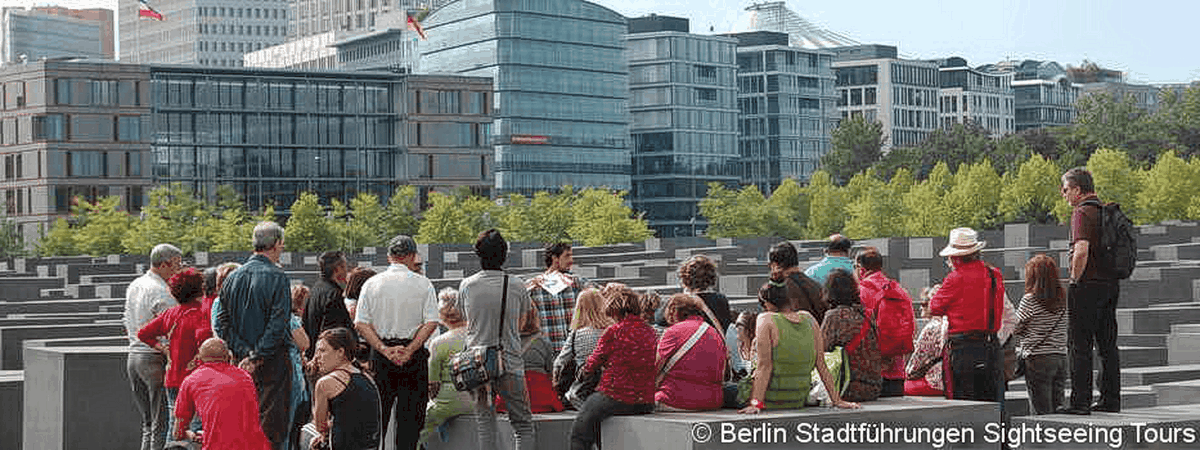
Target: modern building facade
314 52
389 50
977 96
787 109
28 35
72 129
1043 95
212 33
99 15
349 17
1144 96
561 86
272 134
683 103
902 95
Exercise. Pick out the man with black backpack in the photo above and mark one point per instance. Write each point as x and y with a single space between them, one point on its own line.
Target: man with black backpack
1102 252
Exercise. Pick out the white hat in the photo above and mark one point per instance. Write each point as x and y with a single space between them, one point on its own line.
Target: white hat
963 241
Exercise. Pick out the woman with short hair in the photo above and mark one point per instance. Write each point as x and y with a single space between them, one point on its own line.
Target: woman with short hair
626 354
346 393
695 380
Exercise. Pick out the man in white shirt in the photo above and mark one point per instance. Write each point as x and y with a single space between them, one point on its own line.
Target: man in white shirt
397 312
145 298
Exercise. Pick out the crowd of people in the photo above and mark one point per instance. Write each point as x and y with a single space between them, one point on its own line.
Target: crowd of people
238 357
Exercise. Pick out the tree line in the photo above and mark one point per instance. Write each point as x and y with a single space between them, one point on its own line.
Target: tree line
176 214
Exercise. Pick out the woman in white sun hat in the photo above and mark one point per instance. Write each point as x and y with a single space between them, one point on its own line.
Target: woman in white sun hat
972 299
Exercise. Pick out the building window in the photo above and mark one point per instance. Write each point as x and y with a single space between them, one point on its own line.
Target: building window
129 128
708 72
706 95
50 127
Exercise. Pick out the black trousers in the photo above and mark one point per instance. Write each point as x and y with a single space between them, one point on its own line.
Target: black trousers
976 367
1093 320
405 386
273 381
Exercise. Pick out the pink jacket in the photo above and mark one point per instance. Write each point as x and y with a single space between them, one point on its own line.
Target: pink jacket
694 382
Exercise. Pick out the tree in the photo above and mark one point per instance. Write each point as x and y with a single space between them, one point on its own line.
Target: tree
60 241
602 218
445 222
368 224
307 230
786 211
857 144
173 215
104 226
1168 190
1115 179
976 194
733 213
546 217
1104 121
874 209
12 243
925 212
1180 115
826 212
233 226
1032 193
403 212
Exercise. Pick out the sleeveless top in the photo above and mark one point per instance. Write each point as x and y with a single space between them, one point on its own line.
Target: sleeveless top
793 361
356 415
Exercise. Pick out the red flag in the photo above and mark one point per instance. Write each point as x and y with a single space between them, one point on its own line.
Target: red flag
415 26
144 10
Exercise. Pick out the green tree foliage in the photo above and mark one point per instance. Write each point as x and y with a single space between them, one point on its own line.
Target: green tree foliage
232 228
976 194
925 213
1116 180
173 215
786 211
1180 116
446 222
12 244
104 225
403 213
602 218
857 144
875 207
733 213
546 217
1104 121
827 206
367 224
308 230
1168 188
59 241
1031 193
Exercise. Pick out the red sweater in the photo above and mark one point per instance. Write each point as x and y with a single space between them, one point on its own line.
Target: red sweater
626 353
186 327
963 299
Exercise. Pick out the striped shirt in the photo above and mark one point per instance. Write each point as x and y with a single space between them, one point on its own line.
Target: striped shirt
1042 332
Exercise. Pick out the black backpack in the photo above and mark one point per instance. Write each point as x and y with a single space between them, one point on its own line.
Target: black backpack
1117 254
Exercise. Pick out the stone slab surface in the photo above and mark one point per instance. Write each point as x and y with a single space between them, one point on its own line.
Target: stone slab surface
1165 427
78 398
12 338
12 386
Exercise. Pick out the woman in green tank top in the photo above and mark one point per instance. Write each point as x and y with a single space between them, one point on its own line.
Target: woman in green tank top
789 344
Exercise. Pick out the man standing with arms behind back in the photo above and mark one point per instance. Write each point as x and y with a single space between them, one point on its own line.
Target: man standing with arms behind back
145 298
397 312
1091 302
256 305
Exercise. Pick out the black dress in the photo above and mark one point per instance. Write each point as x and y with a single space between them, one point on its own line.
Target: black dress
355 415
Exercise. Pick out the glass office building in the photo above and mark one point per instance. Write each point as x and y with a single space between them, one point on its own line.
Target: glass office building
787 111
1043 95
275 133
900 94
561 86
979 96
683 100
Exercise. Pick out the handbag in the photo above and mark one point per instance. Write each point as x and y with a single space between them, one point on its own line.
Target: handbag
838 363
584 386
1020 369
564 375
1008 350
479 365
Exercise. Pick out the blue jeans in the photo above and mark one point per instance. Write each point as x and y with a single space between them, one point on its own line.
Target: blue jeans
172 395
585 431
146 371
510 386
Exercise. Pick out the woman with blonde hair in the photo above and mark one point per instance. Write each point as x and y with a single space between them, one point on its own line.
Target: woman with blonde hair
1042 327
587 325
445 403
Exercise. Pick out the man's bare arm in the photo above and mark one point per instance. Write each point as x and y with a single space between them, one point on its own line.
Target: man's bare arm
1079 257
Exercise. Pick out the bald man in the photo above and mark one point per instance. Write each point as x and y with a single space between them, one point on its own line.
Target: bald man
226 399
837 256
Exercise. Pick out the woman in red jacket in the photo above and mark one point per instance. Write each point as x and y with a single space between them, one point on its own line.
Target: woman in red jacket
184 327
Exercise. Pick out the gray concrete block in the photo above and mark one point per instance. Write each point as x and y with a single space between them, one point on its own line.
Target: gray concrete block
13 338
12 402
553 432
1178 392
920 248
1119 430
78 398
1016 235
15 289
1183 348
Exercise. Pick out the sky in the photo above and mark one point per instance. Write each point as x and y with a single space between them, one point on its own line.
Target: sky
1150 40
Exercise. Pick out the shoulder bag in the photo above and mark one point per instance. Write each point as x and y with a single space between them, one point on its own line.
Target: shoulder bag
479 365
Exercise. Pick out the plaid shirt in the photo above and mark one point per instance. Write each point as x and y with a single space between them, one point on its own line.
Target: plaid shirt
556 311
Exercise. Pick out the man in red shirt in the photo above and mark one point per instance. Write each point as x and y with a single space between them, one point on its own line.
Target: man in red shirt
1091 302
972 299
227 401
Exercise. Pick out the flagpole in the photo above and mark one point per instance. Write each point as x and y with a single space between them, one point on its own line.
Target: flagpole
138 36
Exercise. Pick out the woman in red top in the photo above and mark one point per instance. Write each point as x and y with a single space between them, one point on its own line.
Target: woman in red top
185 327
626 354
696 380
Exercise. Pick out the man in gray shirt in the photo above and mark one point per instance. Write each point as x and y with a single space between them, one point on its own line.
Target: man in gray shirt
481 295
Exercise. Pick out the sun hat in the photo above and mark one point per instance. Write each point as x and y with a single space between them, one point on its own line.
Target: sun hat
963 241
